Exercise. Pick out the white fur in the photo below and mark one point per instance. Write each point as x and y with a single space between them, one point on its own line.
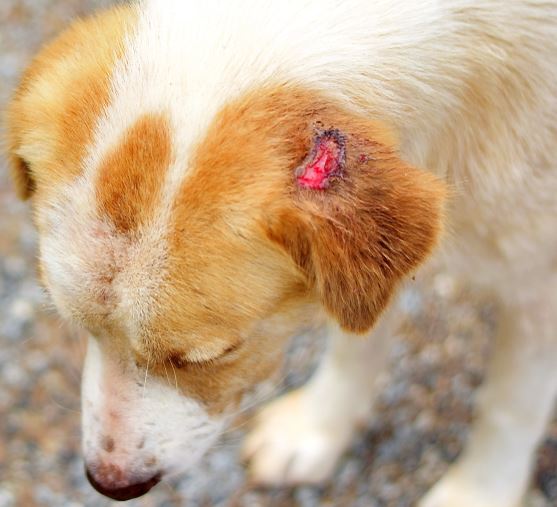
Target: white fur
145 416
78 249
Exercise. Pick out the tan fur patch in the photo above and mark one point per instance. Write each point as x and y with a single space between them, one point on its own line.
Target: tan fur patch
53 114
131 176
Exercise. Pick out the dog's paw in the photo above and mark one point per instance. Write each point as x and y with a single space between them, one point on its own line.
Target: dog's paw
289 444
453 491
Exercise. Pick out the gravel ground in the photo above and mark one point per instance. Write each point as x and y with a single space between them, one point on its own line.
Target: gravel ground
421 421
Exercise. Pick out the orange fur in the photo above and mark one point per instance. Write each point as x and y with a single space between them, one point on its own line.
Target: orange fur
52 116
131 175
354 241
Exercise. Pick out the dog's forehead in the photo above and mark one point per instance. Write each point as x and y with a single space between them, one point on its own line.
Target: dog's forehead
116 237
160 75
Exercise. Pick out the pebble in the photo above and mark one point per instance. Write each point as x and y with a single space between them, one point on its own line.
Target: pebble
444 285
13 374
22 310
7 498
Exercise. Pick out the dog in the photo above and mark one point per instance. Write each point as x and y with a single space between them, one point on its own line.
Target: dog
207 178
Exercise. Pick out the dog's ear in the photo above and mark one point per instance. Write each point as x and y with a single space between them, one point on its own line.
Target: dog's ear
359 220
19 169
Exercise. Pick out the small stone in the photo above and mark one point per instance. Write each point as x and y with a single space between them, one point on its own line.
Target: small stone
22 310
425 421
410 302
13 374
536 499
7 498
444 285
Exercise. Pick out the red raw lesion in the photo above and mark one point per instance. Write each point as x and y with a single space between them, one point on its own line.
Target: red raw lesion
325 162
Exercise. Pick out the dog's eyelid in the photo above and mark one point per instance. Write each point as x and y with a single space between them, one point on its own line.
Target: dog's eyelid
231 348
193 359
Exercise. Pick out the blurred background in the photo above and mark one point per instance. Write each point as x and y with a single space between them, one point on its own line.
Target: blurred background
420 423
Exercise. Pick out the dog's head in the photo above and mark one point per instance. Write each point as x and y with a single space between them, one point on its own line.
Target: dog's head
191 249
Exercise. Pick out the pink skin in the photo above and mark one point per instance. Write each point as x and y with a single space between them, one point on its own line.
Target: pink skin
324 162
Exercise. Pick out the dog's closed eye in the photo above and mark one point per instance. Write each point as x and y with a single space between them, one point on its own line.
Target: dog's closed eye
203 358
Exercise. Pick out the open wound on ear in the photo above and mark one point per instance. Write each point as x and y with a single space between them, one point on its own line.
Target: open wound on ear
325 161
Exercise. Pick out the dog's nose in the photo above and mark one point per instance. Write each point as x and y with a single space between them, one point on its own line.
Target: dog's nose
115 487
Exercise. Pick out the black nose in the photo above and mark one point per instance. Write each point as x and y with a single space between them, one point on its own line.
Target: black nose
122 493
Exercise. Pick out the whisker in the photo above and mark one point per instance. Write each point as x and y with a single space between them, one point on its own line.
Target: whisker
258 398
278 385
166 374
146 374
63 407
175 377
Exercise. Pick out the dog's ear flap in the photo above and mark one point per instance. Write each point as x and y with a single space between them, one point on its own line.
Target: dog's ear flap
361 220
20 170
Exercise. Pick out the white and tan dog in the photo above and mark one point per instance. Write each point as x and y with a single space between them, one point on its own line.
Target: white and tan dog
207 177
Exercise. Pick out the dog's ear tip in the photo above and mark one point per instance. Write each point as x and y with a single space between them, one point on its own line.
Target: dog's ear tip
357 327
360 316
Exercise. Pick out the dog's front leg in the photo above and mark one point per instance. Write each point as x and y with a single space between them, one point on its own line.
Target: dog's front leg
300 436
514 408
